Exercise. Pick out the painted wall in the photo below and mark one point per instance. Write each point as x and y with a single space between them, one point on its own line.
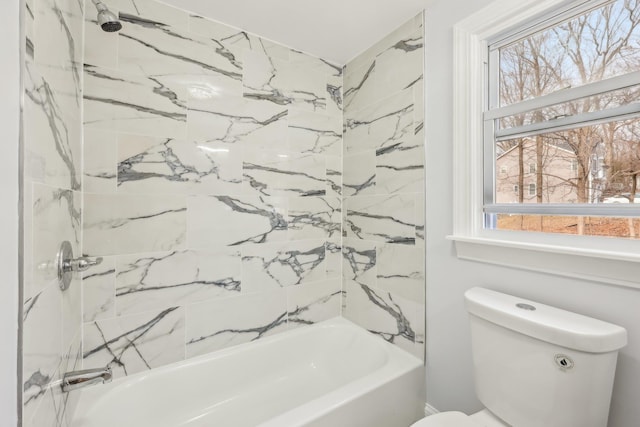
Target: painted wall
9 120
212 177
52 203
383 182
449 370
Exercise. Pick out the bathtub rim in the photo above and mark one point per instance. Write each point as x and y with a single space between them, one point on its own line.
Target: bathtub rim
398 364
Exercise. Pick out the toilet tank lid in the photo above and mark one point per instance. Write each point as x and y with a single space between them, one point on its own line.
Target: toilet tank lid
544 322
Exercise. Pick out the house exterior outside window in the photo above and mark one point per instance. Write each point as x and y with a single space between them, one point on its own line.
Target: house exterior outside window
558 188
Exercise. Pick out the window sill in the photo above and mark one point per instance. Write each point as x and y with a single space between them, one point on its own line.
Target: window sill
585 263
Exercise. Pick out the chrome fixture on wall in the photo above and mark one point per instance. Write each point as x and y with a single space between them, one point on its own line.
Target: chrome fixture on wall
107 20
79 379
66 264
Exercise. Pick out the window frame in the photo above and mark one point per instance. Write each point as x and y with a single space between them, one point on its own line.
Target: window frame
602 259
493 111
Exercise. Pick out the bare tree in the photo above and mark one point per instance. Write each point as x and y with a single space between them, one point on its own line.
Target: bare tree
598 45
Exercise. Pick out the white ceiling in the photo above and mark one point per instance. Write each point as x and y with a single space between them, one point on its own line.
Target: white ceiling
335 30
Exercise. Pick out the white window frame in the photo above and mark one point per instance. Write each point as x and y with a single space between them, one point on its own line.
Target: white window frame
532 189
607 260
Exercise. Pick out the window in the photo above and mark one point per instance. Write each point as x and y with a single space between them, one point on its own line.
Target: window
533 128
563 92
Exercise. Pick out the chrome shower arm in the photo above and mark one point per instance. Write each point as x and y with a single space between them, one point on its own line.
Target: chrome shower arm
99 5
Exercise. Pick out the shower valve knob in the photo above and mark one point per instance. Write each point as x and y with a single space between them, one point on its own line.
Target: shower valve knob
80 264
67 264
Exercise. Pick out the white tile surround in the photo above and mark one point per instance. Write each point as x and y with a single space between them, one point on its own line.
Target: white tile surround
213 162
52 204
212 185
383 204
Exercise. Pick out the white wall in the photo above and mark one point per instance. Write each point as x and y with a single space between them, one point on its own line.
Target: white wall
449 371
9 117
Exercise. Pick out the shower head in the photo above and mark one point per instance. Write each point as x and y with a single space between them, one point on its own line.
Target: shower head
107 20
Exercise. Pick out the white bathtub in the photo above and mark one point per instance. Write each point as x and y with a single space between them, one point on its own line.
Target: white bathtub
329 374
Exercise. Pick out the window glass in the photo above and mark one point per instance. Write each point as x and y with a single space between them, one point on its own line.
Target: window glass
597 45
577 225
592 164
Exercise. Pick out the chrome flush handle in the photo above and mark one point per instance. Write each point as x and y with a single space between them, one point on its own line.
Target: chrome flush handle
67 265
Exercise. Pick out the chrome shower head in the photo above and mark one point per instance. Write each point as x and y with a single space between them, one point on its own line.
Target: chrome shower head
107 20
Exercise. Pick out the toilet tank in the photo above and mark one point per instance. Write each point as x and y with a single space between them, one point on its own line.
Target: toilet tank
536 365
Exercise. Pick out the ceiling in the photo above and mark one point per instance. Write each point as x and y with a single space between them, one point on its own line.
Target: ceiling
335 30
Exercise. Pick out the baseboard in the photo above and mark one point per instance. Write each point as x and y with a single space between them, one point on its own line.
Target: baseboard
429 410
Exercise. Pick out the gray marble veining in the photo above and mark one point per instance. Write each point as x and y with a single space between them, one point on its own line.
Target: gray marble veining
383 188
380 125
179 166
240 220
285 81
284 264
151 105
154 47
359 261
382 218
98 296
157 281
309 304
124 224
230 321
236 120
314 217
49 133
134 343
254 332
282 174
357 84
391 308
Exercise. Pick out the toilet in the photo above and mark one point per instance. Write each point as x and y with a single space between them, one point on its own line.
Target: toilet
536 365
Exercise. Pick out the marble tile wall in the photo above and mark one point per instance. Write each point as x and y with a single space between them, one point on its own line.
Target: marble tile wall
383 189
52 72
212 187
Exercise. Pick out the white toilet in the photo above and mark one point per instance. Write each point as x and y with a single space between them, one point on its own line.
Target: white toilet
536 365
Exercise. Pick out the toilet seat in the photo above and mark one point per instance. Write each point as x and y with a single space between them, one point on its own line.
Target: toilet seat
446 419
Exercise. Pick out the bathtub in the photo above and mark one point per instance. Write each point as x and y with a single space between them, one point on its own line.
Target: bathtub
329 374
